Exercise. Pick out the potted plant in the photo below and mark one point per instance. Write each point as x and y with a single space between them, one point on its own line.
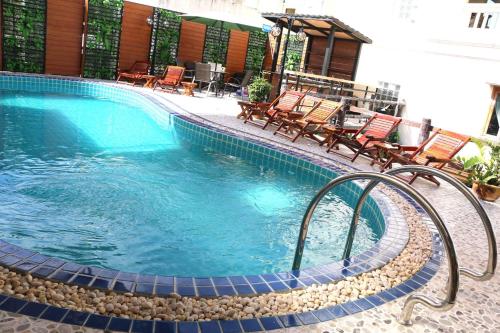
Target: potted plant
484 171
259 90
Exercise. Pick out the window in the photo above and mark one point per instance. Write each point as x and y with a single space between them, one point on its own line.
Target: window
493 127
483 20
407 10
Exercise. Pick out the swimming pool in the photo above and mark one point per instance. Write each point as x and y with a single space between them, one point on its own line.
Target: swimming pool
88 177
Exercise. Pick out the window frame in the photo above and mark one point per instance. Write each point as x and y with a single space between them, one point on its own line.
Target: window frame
495 94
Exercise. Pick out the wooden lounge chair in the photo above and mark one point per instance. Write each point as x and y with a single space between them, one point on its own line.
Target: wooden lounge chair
311 123
279 108
376 129
437 151
172 78
134 73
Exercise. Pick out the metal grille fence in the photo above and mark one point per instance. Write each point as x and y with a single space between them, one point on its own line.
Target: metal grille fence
103 38
164 39
24 31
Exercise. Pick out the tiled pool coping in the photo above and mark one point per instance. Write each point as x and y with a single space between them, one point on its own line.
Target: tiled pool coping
389 246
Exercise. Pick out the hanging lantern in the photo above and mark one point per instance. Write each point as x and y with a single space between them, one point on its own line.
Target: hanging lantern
301 35
275 30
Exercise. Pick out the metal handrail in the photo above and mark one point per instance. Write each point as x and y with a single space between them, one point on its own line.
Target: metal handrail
492 248
453 281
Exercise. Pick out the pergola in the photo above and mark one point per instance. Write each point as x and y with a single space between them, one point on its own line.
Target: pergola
312 25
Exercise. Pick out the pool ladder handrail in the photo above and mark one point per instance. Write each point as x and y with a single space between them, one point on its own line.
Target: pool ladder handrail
488 273
453 268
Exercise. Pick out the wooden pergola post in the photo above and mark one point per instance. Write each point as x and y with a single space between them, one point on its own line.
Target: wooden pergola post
328 52
277 47
285 50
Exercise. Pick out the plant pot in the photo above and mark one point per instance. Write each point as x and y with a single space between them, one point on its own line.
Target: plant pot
486 192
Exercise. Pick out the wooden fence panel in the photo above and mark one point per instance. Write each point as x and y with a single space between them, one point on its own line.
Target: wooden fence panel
343 57
237 51
136 34
192 41
64 37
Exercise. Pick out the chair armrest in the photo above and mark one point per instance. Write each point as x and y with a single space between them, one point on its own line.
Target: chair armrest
408 148
372 138
294 115
431 158
348 130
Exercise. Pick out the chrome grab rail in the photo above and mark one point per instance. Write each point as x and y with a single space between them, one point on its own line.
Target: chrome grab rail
492 247
453 280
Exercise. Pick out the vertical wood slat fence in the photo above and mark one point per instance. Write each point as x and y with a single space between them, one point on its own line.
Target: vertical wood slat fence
63 54
192 41
135 34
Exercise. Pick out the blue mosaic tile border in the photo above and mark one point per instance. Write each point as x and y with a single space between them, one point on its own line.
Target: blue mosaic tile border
392 242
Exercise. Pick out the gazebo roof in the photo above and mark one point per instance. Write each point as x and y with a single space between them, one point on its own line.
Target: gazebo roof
318 25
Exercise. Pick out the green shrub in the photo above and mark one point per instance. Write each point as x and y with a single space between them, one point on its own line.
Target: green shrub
484 168
259 89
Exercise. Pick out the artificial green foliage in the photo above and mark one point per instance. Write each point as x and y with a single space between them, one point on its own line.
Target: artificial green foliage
216 45
292 61
294 54
484 168
256 51
164 39
24 35
103 38
259 90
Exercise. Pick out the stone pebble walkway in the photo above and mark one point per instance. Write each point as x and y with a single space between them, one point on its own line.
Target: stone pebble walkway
478 304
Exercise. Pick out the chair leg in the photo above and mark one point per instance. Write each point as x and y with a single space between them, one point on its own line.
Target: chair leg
298 134
356 155
334 142
387 164
278 129
271 118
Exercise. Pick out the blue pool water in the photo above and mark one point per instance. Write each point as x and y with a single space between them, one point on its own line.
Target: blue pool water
109 184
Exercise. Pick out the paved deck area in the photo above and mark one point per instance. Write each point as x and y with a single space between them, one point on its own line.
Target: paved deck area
478 305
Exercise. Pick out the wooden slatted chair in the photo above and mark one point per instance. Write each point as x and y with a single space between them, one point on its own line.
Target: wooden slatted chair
172 78
310 124
279 108
376 129
134 73
437 151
